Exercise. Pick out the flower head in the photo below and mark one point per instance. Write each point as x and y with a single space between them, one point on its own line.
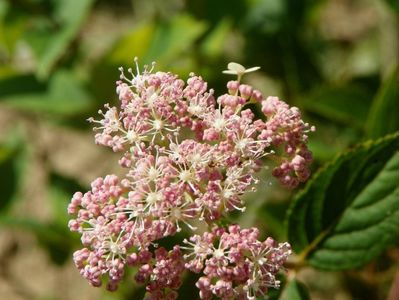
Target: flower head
190 157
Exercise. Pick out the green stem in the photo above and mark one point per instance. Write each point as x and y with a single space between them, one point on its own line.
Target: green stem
302 256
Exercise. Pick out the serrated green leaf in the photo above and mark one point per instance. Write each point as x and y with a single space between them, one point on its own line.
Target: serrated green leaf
295 290
383 117
70 14
349 213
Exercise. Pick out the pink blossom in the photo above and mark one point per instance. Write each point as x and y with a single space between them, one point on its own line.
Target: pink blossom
187 157
235 263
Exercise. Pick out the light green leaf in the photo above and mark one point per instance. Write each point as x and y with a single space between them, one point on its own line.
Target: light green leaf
383 116
295 290
65 97
11 32
174 38
70 14
349 213
4 7
158 42
136 43
214 43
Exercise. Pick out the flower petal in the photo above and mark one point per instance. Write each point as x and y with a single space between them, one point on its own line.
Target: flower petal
236 67
229 72
253 69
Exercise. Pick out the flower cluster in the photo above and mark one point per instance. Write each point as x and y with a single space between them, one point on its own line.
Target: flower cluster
189 156
235 263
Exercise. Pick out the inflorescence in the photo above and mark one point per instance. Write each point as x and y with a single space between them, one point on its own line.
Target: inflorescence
190 157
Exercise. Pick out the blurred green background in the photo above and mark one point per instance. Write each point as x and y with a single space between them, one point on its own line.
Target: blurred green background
336 59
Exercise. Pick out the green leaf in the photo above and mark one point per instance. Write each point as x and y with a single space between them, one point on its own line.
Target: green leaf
162 42
65 97
11 31
57 240
61 190
394 5
10 84
215 42
383 117
10 173
349 213
8 176
4 7
330 140
136 43
295 290
70 14
346 105
272 214
266 16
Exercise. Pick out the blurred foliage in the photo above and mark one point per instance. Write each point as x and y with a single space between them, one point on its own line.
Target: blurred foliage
295 290
337 60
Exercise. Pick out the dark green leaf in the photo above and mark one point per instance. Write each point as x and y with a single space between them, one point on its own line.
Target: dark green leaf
58 241
295 290
10 156
272 215
11 85
349 213
61 190
394 4
330 140
347 105
383 117
266 16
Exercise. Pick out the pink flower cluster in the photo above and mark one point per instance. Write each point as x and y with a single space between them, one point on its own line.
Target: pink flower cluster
189 157
235 263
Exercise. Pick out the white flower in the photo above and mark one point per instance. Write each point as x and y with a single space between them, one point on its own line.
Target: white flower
237 69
